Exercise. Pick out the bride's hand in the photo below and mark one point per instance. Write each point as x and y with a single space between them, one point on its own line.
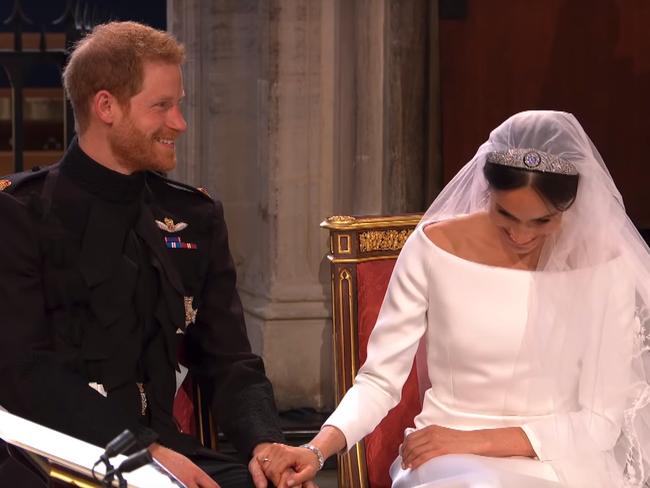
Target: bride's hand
434 441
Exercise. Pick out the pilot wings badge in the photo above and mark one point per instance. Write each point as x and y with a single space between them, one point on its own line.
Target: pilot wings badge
168 225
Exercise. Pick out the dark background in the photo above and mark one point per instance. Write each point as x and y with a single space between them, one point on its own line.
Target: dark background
587 57
44 12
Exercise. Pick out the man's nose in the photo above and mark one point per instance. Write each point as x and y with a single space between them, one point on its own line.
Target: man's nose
176 120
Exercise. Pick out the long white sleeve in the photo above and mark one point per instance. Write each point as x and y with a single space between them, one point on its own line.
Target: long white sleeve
391 348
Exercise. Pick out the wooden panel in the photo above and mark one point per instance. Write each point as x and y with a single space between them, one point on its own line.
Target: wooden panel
588 58
31 40
32 158
43 126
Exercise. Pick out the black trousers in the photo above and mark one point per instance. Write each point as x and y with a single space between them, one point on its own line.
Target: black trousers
225 470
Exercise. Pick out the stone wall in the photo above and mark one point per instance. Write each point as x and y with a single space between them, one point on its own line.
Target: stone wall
300 109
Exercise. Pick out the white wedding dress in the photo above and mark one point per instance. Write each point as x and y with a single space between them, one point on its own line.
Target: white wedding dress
472 346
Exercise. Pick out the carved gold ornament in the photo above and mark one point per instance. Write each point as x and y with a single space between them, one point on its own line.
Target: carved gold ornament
4 184
341 219
344 244
383 240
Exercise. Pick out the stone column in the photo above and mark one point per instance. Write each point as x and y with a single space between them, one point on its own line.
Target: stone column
407 28
254 93
299 109
383 71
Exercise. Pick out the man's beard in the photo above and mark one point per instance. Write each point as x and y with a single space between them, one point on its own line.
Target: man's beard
136 151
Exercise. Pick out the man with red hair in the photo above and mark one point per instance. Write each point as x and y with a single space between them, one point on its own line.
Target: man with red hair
110 269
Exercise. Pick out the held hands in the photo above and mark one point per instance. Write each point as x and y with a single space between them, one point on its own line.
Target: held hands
285 471
285 466
185 470
434 441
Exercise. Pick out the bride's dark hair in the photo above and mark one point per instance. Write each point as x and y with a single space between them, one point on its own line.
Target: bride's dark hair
558 189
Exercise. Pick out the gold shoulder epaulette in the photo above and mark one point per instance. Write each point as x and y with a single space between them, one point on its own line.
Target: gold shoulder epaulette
204 191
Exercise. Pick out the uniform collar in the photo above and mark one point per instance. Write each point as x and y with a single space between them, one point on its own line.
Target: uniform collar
98 179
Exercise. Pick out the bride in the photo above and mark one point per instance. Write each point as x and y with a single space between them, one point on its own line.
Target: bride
530 288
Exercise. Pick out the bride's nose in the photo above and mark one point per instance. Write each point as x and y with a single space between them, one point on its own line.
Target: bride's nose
520 235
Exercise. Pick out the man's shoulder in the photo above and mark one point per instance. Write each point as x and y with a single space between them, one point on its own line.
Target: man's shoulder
163 185
15 215
185 202
25 182
8 202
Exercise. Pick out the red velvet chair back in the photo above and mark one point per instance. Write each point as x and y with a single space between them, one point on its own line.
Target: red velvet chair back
192 412
363 251
383 443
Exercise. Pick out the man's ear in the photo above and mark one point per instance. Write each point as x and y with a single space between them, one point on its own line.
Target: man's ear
105 106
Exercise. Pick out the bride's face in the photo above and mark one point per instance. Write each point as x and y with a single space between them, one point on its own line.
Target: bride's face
523 219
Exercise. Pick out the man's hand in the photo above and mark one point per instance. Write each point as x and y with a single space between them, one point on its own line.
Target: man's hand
185 470
255 466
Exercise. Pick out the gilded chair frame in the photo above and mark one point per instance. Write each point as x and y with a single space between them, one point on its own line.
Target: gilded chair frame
355 240
206 426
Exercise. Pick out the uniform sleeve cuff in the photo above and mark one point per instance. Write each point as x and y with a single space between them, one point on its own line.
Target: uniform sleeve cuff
145 436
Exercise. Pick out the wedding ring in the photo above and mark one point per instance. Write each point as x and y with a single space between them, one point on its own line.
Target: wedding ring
265 460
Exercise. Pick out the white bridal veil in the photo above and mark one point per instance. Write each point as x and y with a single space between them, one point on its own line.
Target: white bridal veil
588 329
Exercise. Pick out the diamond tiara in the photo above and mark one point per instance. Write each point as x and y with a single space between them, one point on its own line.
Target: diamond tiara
532 160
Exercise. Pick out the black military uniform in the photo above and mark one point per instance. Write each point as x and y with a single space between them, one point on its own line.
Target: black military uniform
104 278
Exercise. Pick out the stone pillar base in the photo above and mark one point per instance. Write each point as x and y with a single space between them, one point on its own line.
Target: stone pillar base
294 338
